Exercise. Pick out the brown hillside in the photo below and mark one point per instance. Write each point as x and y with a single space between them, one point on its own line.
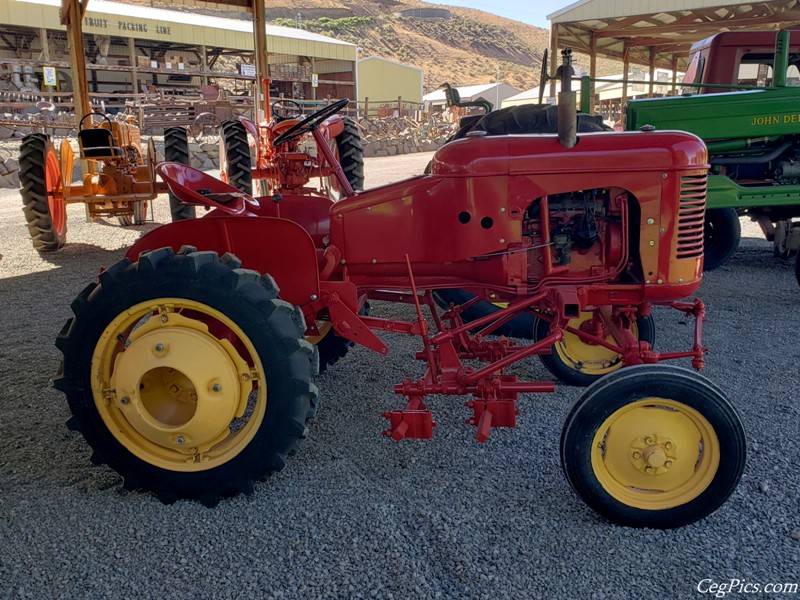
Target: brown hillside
472 47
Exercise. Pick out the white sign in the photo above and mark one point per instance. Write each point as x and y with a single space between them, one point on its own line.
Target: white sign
248 70
314 80
50 77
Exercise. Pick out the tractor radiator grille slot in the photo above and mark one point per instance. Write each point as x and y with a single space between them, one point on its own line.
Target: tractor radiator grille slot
691 212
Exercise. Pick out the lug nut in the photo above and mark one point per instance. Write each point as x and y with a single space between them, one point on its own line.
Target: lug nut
637 455
164 318
180 440
124 400
217 387
159 347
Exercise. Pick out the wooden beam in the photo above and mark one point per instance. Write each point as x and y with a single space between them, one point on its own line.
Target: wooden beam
652 72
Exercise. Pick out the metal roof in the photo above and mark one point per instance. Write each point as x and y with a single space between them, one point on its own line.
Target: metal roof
467 92
186 27
668 28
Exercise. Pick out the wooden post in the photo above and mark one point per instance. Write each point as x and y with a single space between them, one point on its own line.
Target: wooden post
554 62
262 60
73 19
674 74
134 65
366 107
399 106
652 66
204 63
625 66
313 70
44 43
592 66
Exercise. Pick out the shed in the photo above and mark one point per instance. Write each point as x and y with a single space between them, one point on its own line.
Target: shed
383 81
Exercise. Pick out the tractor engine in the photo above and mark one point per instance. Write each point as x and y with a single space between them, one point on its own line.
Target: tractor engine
584 229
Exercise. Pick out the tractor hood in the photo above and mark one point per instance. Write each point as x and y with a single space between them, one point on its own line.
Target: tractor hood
598 152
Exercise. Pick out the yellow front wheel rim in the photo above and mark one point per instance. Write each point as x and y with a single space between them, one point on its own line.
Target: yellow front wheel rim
591 359
324 328
173 390
655 454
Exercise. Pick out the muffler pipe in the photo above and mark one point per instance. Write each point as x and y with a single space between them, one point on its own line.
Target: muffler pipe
567 103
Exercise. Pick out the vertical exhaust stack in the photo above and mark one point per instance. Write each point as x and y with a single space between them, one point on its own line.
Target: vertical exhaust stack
567 103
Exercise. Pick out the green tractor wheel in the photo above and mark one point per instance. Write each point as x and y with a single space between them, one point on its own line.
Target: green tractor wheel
722 232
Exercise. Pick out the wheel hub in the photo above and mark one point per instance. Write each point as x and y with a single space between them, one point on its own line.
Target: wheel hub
653 454
178 386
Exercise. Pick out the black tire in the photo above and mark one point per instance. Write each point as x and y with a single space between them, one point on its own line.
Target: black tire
797 268
48 232
234 156
666 400
721 235
519 327
277 354
176 149
568 373
333 347
351 154
139 216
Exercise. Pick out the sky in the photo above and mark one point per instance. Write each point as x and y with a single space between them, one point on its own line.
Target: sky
533 12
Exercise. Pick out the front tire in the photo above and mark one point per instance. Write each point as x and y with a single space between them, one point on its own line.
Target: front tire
186 375
176 149
722 232
578 363
42 193
653 446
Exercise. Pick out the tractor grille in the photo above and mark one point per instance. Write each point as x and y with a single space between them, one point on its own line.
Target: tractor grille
691 211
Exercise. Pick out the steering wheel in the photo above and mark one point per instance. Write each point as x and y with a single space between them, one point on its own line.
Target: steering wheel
310 122
284 104
93 114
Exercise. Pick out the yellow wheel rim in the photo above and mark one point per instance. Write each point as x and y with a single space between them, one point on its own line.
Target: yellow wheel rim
173 393
655 454
591 359
324 328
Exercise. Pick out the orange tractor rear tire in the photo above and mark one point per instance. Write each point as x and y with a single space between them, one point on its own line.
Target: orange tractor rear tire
176 149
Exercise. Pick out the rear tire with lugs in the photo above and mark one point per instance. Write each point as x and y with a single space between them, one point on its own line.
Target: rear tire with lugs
187 375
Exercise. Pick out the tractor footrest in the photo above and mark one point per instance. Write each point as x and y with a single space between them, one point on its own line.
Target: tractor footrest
492 413
411 424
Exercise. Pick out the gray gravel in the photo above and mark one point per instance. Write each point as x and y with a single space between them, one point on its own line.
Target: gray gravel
356 515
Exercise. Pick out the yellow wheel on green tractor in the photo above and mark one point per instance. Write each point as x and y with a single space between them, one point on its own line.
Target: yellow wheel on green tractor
653 446
577 362
187 375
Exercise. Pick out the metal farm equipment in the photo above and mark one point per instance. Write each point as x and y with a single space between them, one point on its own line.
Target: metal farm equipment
188 366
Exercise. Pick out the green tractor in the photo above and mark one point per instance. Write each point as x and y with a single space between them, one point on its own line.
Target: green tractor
752 134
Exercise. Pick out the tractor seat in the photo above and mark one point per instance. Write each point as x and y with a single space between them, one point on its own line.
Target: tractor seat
98 142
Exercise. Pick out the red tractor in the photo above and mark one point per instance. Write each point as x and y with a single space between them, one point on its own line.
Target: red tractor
189 365
290 166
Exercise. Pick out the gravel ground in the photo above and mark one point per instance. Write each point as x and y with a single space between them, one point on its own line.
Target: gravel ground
356 515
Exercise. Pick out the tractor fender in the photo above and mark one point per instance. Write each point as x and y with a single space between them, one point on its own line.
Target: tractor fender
268 245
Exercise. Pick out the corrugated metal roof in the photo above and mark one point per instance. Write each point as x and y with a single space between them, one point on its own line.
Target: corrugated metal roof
607 9
197 20
660 30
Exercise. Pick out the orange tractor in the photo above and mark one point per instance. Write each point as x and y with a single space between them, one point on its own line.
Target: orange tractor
120 181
